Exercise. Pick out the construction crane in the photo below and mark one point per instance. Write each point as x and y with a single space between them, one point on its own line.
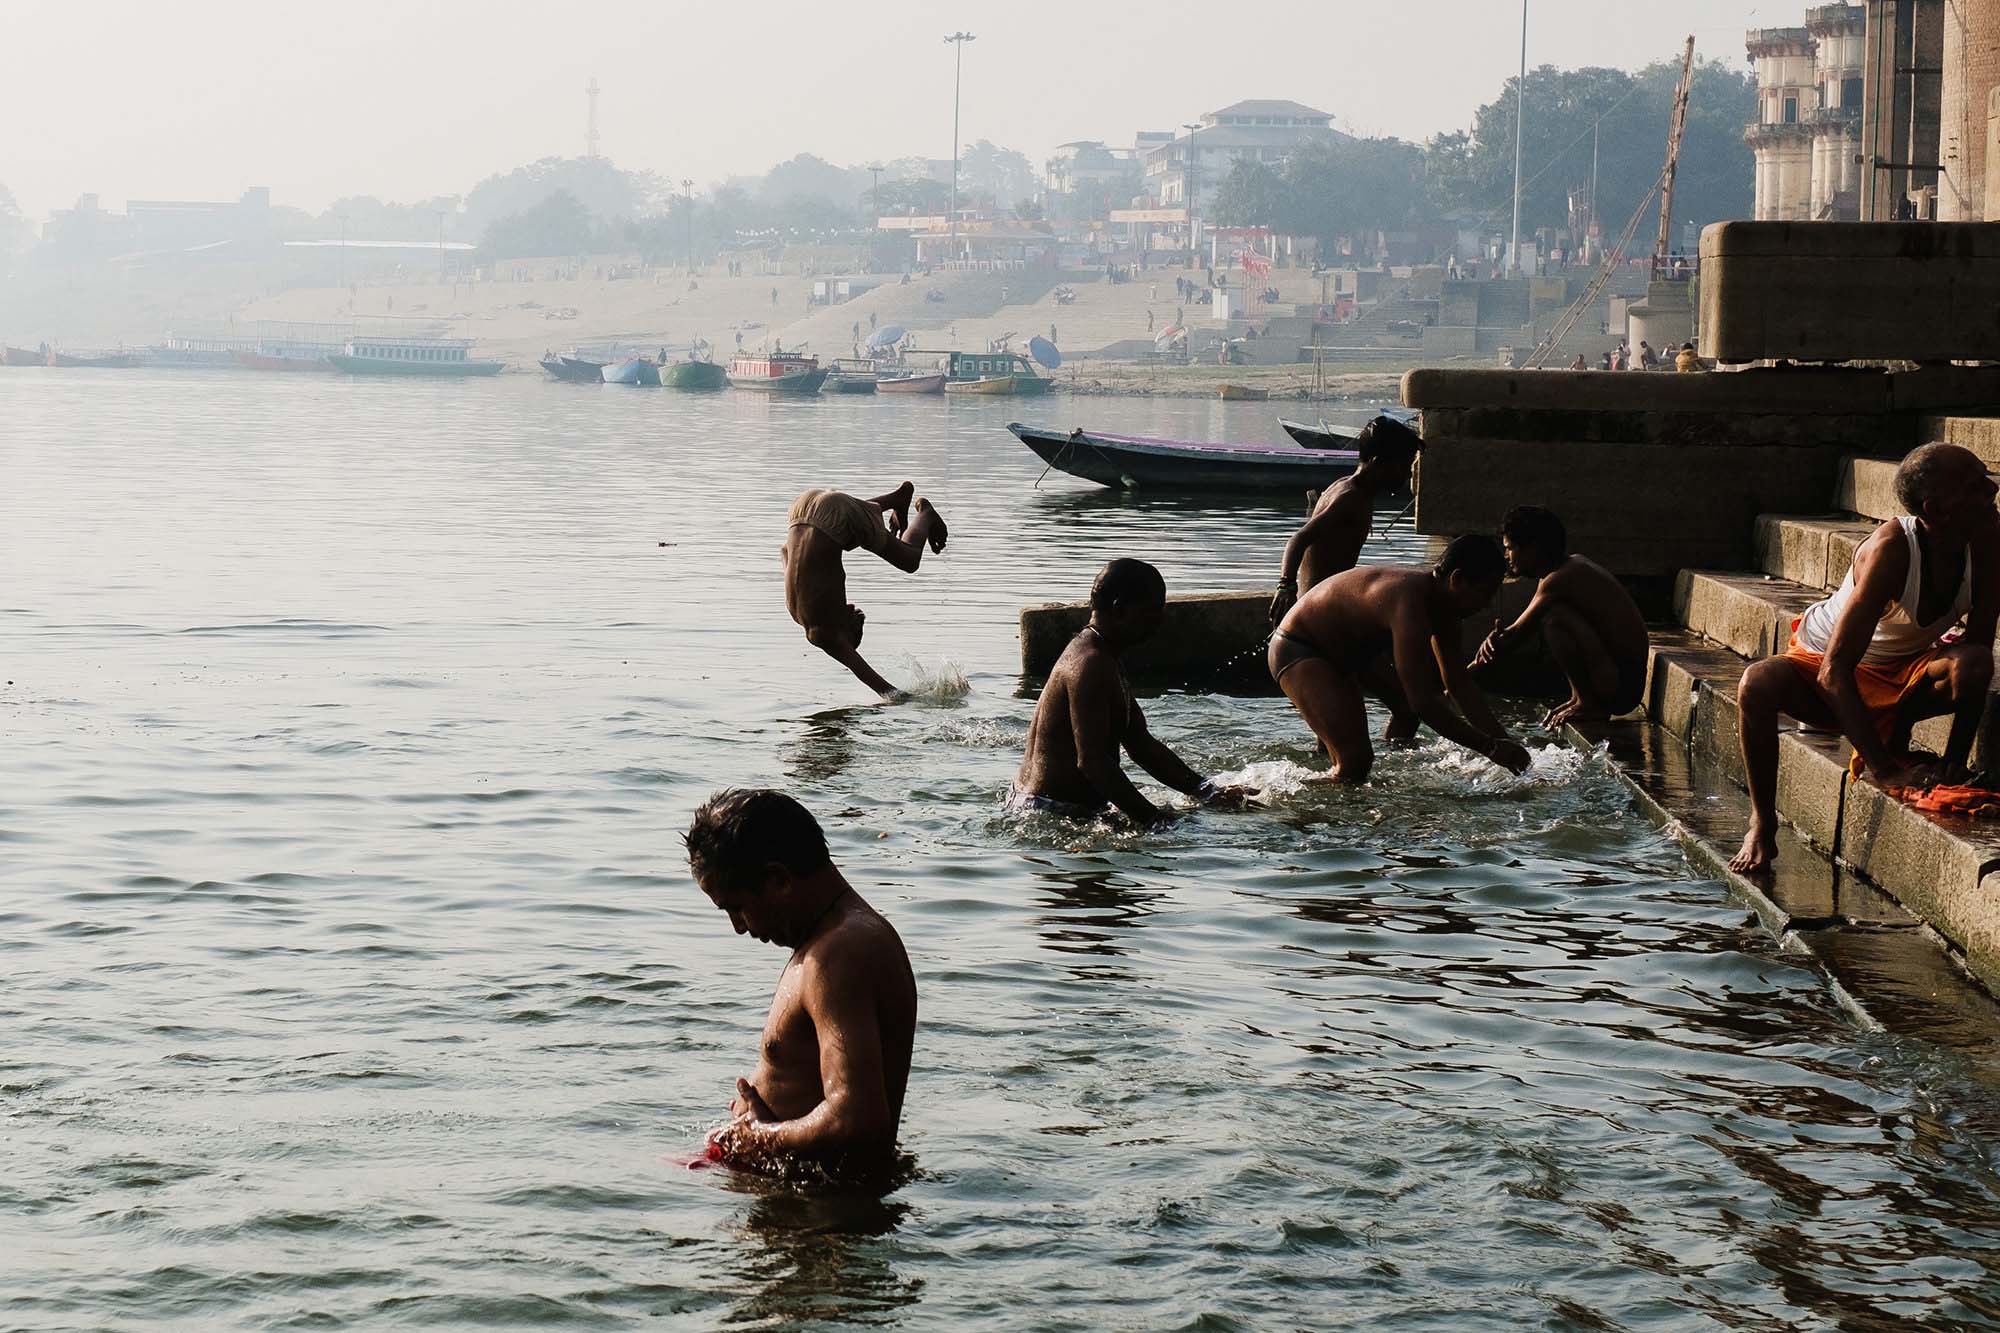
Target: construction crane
1615 255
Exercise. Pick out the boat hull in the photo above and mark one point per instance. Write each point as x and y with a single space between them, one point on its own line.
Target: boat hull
574 370
109 361
800 382
639 373
694 375
930 384
284 364
447 370
1002 386
849 384
1321 437
21 356
1132 463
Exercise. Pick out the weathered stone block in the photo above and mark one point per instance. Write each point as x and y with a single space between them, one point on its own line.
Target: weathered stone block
1207 642
1867 486
1749 614
1907 291
1979 434
1812 778
1938 870
1814 552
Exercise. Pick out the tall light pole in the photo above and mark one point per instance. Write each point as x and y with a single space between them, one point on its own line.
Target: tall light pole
688 186
875 193
1190 128
1520 91
958 41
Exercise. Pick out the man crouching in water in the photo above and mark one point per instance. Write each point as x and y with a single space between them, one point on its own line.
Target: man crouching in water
1392 631
1087 712
835 1059
824 525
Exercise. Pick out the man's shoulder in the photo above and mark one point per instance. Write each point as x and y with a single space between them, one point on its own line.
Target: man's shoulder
858 945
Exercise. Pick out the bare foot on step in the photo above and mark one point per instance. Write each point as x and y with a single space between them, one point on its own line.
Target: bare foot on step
1760 848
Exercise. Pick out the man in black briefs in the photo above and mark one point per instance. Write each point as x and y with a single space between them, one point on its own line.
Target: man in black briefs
1087 712
1344 518
1392 631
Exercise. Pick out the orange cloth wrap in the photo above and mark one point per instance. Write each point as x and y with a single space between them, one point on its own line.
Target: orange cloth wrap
1882 687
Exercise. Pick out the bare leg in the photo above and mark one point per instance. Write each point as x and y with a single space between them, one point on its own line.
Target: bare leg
1593 675
1379 678
896 504
927 528
1769 688
1960 681
1331 703
840 645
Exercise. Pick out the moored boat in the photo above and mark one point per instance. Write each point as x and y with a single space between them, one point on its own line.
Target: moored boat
442 358
574 369
21 356
777 372
847 376
932 383
640 371
93 360
693 375
1321 436
1132 462
994 373
288 360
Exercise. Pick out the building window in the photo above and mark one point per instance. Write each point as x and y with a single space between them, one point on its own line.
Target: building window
1850 92
1791 111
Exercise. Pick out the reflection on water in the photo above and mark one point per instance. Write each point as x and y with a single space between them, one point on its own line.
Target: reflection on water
354 974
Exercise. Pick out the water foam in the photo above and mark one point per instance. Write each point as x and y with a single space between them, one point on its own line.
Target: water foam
944 685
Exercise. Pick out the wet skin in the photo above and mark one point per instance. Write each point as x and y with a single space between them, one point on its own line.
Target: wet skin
1330 541
1593 627
816 579
834 1059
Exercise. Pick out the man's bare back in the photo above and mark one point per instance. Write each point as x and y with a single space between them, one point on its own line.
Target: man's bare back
1339 528
823 527
1085 679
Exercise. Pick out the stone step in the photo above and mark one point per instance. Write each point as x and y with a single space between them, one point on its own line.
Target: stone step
1945 871
1749 614
1867 487
1811 550
1977 433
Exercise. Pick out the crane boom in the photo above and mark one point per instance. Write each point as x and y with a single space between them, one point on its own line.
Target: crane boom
1679 124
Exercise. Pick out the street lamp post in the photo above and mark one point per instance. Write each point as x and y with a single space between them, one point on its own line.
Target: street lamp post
1520 92
1190 128
958 41
875 192
688 186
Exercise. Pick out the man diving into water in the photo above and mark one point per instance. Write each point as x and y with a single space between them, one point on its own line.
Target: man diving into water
1392 631
1087 712
1880 654
823 526
835 1056
1593 628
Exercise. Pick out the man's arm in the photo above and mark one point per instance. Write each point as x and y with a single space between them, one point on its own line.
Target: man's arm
1416 657
1339 523
1469 698
1547 593
1152 754
1096 722
1880 570
853 1115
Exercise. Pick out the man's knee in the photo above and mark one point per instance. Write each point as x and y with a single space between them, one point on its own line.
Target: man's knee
1969 677
826 638
1762 685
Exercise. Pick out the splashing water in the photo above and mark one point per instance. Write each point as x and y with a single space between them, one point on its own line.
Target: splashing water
945 684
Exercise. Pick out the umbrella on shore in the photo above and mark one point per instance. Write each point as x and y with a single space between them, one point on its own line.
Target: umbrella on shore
886 336
1044 351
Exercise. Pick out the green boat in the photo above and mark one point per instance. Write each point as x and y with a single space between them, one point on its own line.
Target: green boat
693 375
437 358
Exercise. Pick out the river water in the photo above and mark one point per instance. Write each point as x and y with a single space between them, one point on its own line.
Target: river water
353 974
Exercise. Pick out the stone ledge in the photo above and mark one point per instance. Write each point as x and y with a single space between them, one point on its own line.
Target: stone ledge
1979 434
1208 641
1749 614
1867 486
1814 552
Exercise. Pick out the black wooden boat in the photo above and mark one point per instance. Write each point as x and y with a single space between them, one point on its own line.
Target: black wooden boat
1321 436
575 369
1134 462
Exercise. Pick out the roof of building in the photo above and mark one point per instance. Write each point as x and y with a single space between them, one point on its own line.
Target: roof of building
1271 107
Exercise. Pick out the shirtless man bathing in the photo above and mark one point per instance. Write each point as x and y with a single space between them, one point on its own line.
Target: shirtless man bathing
824 525
835 1057
1593 628
1877 656
1087 713
1330 541
1392 631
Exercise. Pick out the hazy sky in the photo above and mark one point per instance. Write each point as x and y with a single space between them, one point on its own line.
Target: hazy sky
196 99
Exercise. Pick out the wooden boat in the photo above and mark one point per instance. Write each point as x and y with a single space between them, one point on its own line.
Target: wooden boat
849 376
1242 393
641 371
286 361
1132 462
94 361
434 358
932 383
693 375
21 356
1006 374
1321 436
574 369
777 372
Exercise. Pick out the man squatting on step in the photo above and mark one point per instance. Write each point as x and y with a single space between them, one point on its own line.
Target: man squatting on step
823 526
1086 712
1881 654
835 1057
1392 631
1593 628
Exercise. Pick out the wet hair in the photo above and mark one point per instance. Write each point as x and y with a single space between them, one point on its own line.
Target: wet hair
738 831
1126 582
1386 437
1476 556
1535 528
1926 473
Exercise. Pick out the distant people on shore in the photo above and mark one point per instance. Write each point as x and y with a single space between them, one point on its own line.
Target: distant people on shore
1880 654
1392 631
1687 360
1086 713
1592 627
834 1061
823 526
1344 518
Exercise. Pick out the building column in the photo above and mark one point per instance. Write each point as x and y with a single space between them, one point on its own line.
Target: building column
1971 71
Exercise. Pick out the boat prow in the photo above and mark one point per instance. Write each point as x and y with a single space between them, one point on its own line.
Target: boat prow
1132 462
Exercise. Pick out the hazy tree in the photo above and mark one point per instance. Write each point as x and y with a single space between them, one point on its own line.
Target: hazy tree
1343 187
557 225
806 176
1000 174
602 190
927 197
1251 195
16 232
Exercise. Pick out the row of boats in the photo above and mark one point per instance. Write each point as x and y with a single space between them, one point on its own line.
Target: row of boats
984 373
447 358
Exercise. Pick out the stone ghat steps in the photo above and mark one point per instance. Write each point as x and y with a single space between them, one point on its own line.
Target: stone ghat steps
1867 486
1883 959
1945 871
1979 434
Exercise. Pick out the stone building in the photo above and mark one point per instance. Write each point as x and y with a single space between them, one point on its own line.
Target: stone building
1966 111
1261 131
1901 54
1807 135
